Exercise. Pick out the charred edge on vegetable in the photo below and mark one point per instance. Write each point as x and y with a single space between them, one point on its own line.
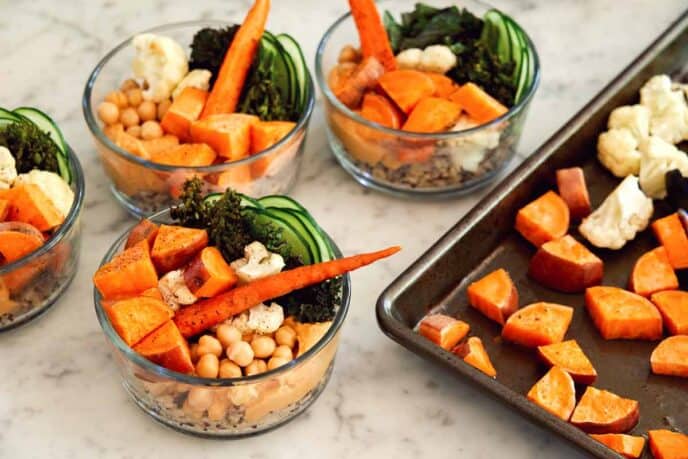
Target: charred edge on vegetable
30 147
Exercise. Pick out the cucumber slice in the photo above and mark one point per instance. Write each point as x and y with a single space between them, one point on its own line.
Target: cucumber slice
45 124
500 43
296 242
280 70
526 65
517 44
302 74
9 116
281 202
301 227
64 169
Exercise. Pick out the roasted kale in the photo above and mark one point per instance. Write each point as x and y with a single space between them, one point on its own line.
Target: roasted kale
31 147
209 47
261 95
317 303
192 211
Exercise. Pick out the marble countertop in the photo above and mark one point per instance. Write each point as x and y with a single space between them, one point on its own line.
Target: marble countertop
60 393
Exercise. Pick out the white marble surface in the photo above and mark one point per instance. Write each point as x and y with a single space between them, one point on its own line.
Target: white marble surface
60 394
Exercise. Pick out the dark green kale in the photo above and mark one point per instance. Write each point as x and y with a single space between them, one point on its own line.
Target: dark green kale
31 147
317 303
192 211
478 65
209 47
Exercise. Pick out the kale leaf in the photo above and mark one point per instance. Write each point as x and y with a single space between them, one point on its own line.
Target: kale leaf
31 147
209 47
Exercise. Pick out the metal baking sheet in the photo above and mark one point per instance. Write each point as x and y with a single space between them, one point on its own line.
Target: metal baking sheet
485 240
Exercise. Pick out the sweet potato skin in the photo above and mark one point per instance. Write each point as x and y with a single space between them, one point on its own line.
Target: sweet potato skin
538 324
494 295
443 330
600 412
566 265
619 314
568 356
666 444
473 353
175 246
167 347
145 229
574 191
670 357
208 274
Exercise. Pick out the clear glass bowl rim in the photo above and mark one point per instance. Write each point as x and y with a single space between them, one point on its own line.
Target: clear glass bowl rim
146 364
97 131
341 108
66 226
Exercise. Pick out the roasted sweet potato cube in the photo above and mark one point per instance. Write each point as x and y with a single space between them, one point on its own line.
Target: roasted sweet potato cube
30 205
653 273
568 356
670 357
443 330
473 353
128 273
209 274
574 191
601 411
167 347
538 324
629 446
494 295
544 219
134 318
175 246
145 229
620 314
672 235
673 305
666 444
555 392
566 265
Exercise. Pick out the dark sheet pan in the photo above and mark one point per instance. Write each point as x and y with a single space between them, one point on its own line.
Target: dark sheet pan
485 240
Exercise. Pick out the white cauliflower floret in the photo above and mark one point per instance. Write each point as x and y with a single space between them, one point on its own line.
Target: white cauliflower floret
668 109
265 319
197 78
240 322
161 62
468 151
635 118
624 213
53 186
438 58
409 58
617 150
8 169
658 158
257 263
174 290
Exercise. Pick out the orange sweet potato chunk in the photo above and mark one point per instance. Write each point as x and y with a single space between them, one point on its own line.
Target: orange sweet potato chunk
538 324
566 265
555 393
569 356
544 219
128 273
494 295
629 446
209 274
473 353
229 135
167 347
443 330
30 205
134 318
653 273
619 314
600 412
666 444
145 229
673 305
175 246
670 357
185 109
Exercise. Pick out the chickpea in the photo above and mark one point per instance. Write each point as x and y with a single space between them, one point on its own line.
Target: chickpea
349 54
283 352
193 350
129 117
199 398
208 366
151 130
129 84
108 113
248 337
135 131
229 369
228 334
242 395
263 346
118 98
134 97
286 335
240 353
276 362
255 367
209 345
162 108
147 110
218 409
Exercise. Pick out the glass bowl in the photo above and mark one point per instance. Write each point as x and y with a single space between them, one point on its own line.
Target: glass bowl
417 165
30 285
144 187
241 406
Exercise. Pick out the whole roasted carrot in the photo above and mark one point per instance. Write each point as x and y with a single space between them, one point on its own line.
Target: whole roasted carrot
230 81
200 316
372 34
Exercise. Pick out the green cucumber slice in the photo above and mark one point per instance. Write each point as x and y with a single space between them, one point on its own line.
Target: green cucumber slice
280 69
281 202
8 115
302 74
45 124
301 227
500 42
296 242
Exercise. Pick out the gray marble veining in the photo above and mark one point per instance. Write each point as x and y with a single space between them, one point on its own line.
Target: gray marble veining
60 394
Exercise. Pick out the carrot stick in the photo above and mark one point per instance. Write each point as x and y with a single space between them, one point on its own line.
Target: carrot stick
200 316
373 36
230 80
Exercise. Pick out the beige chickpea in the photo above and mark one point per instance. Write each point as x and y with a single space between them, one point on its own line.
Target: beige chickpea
108 112
134 97
209 345
228 334
276 362
263 346
129 84
208 366
286 335
218 409
349 54
118 98
134 131
255 367
147 110
240 353
129 117
283 351
151 130
229 369
162 108
199 398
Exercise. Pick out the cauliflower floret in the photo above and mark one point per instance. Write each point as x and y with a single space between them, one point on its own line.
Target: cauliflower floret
161 62
53 186
257 263
174 290
438 58
240 322
617 150
265 319
409 58
658 158
635 118
668 109
624 213
8 169
197 78
468 151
